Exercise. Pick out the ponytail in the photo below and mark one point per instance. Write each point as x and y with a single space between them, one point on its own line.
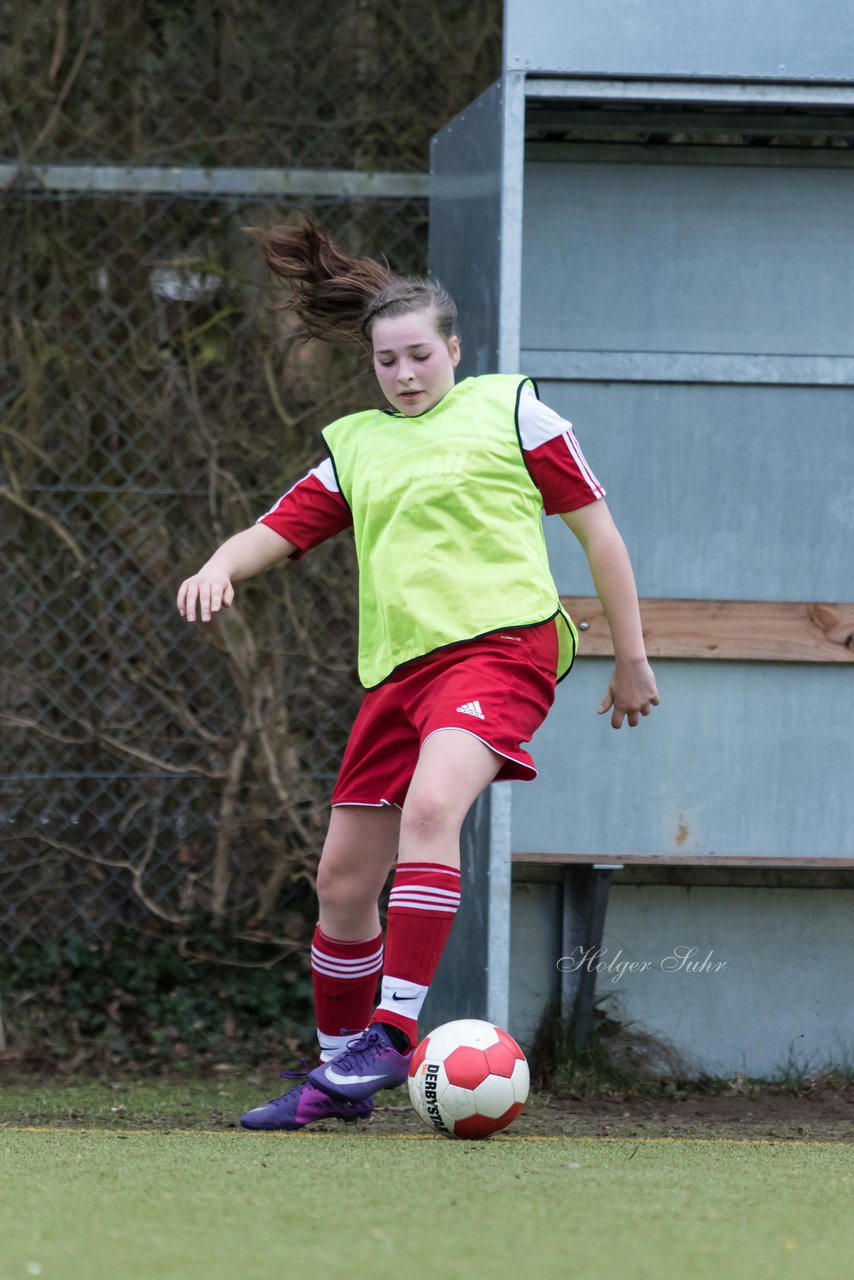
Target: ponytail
337 297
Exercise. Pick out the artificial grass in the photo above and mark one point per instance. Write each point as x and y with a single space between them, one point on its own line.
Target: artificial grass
177 1205
190 1102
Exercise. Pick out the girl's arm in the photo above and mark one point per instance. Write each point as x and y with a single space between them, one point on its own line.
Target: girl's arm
242 556
631 691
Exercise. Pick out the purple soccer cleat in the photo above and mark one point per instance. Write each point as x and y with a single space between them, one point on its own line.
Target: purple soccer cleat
302 1105
370 1062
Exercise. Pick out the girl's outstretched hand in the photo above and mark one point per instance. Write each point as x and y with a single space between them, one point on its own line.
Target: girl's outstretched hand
241 556
632 693
208 591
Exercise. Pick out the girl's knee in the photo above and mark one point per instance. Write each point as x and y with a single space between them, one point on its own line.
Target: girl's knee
344 887
428 813
325 883
334 887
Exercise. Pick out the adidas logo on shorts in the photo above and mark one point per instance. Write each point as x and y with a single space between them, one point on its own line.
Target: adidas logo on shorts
472 709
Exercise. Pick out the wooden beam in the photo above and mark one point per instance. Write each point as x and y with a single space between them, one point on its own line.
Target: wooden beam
732 630
677 860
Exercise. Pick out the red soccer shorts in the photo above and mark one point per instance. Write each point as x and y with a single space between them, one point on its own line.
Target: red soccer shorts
498 688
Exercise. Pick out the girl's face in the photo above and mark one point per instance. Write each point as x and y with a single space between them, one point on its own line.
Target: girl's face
413 362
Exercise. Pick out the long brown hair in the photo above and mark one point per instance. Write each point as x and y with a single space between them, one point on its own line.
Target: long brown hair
338 297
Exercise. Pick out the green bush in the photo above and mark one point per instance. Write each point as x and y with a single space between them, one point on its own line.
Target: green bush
138 999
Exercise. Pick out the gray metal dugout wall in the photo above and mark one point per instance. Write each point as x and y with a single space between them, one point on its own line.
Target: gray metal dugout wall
652 214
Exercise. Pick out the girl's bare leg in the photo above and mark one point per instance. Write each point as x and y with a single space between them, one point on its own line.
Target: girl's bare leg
360 849
453 768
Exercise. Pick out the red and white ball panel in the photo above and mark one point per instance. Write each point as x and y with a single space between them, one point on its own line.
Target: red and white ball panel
468 1079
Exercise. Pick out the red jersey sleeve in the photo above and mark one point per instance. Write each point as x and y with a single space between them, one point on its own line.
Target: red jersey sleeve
554 458
311 511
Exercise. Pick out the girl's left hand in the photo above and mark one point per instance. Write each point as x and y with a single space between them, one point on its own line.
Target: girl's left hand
632 693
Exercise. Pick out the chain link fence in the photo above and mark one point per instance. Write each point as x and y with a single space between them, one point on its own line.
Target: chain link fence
353 84
151 404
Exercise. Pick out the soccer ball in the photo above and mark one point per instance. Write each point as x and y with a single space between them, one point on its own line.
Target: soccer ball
468 1079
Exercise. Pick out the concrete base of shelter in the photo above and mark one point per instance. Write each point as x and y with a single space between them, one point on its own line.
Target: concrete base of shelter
750 978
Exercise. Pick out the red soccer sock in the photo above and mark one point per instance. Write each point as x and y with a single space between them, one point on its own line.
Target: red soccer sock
344 977
422 905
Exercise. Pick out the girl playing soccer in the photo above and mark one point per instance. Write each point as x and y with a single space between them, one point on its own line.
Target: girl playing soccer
462 639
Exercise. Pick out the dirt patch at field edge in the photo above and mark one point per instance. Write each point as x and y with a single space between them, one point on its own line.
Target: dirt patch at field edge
744 1110
824 1116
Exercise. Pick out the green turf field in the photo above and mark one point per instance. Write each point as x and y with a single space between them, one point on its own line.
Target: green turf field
182 1204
